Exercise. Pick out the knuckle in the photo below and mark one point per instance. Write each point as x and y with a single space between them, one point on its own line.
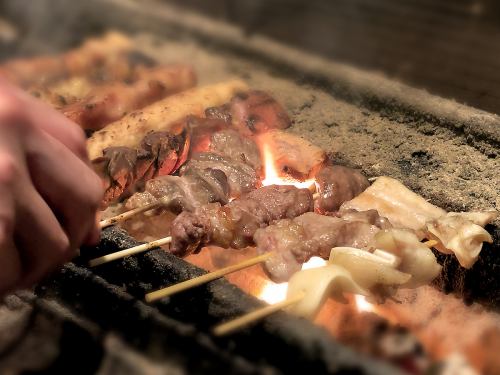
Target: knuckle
11 107
9 169
61 246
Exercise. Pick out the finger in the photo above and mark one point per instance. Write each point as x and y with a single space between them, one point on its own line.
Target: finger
14 100
71 189
9 258
94 235
41 241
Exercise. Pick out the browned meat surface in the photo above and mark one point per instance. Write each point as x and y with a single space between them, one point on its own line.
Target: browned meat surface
110 102
252 112
237 147
234 225
242 178
336 185
295 241
216 176
202 131
122 168
105 56
184 193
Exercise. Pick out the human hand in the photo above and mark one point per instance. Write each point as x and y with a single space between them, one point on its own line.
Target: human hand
49 194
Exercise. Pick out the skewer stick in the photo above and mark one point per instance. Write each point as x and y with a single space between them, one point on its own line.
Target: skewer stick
315 196
176 288
127 252
242 321
128 214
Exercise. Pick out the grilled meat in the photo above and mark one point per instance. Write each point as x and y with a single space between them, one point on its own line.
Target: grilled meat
252 112
234 225
163 115
184 193
98 57
242 178
226 170
295 241
336 185
237 147
122 168
107 103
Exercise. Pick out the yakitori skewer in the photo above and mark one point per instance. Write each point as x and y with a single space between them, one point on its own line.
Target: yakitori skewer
136 211
296 298
132 251
203 279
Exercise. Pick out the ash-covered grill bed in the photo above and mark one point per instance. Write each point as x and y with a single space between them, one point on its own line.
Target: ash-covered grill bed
443 150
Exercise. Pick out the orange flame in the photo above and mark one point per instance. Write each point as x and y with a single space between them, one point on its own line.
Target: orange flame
272 176
273 293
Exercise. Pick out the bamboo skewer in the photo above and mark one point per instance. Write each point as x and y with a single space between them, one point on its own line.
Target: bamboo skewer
128 214
127 252
233 325
244 320
203 279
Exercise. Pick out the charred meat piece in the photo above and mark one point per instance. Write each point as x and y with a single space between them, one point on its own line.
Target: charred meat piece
162 115
242 178
336 185
234 225
161 153
93 54
123 168
107 103
202 130
216 176
252 112
295 241
184 193
232 144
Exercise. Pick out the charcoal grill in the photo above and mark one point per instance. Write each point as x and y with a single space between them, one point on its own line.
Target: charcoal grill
89 320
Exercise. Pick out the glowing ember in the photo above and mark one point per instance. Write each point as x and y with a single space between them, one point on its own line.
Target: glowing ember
271 173
273 293
362 304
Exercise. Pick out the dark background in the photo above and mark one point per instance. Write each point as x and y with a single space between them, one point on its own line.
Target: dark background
449 47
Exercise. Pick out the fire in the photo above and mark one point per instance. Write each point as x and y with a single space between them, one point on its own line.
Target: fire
362 304
273 293
272 176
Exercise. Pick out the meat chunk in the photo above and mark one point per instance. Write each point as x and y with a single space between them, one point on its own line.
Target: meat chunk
295 241
393 200
336 185
242 178
123 168
194 189
237 147
234 225
107 103
252 112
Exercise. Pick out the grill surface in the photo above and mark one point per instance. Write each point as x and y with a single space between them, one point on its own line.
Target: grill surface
445 151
